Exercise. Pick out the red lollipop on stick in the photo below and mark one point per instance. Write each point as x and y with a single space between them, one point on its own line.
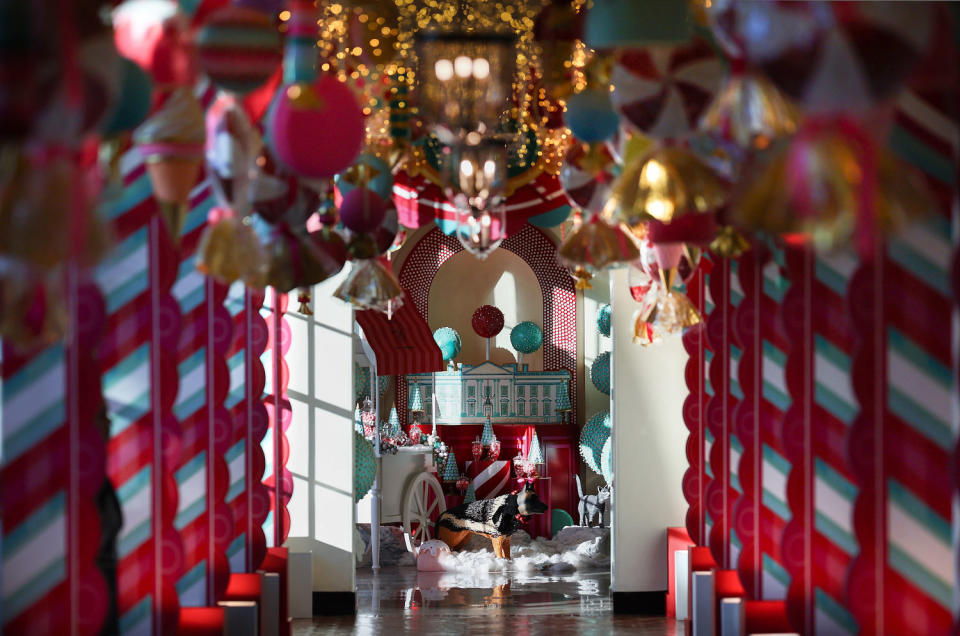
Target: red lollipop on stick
487 322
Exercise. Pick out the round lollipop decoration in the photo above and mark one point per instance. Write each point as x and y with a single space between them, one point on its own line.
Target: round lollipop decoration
600 373
487 322
449 342
526 337
603 320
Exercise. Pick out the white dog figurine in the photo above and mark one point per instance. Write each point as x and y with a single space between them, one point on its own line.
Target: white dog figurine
592 507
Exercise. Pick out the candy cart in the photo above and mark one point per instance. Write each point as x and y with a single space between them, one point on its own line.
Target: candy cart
406 489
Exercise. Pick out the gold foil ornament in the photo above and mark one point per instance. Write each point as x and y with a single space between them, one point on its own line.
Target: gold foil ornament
644 332
730 243
596 245
830 185
674 311
304 298
751 112
664 185
370 285
229 250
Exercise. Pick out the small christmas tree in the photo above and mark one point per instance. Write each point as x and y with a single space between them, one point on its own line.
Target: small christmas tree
487 435
536 453
471 494
357 422
393 423
416 400
450 471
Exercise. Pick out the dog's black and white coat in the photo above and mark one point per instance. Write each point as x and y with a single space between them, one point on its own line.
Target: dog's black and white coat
495 517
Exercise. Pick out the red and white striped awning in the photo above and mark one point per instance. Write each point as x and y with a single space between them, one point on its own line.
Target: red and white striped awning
402 344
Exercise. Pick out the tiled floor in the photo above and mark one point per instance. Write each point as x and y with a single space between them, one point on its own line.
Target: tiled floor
403 601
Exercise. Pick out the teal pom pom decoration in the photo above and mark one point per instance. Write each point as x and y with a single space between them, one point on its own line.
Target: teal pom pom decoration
592 439
526 337
449 342
364 466
600 373
603 320
606 462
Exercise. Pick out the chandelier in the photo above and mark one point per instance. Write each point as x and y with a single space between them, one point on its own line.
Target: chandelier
466 81
475 177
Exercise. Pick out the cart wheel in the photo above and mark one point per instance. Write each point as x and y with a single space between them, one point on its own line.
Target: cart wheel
423 502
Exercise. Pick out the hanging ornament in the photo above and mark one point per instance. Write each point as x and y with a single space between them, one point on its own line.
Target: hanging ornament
750 112
37 203
388 233
590 115
669 192
370 285
827 56
730 243
33 310
474 178
582 276
273 191
367 171
299 259
156 35
526 338
595 246
172 143
305 117
303 297
587 175
448 340
829 185
661 91
229 249
232 148
674 311
239 48
362 210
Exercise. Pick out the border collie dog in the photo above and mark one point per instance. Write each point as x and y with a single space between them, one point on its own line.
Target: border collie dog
495 519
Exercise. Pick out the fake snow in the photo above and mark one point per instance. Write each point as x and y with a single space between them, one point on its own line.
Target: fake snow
573 549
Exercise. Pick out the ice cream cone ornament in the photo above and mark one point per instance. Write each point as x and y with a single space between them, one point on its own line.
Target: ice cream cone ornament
172 143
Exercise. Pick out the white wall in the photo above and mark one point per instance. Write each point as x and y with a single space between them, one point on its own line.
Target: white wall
648 438
320 359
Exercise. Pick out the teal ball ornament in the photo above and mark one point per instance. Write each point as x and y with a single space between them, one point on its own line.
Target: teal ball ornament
449 342
526 337
603 320
600 373
591 117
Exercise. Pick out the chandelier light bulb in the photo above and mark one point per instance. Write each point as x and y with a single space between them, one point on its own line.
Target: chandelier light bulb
481 68
463 66
443 70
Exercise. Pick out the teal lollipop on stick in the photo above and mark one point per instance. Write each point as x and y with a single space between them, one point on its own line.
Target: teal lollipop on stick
526 337
449 342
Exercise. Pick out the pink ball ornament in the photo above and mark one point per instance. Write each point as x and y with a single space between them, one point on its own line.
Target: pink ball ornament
362 210
429 554
487 321
316 130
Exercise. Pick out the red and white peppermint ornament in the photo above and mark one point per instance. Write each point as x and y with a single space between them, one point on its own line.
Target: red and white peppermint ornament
587 175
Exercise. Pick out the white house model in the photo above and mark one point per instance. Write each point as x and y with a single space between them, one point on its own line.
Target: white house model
505 393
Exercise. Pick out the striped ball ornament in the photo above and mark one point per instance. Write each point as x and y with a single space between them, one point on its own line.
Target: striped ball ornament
239 49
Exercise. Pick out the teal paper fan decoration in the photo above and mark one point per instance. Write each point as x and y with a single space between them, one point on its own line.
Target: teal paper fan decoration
364 466
449 342
593 437
603 320
526 337
600 373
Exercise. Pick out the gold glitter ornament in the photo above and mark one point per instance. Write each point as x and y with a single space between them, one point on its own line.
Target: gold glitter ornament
304 298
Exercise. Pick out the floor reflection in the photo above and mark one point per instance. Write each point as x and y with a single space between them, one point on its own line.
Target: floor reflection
404 600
